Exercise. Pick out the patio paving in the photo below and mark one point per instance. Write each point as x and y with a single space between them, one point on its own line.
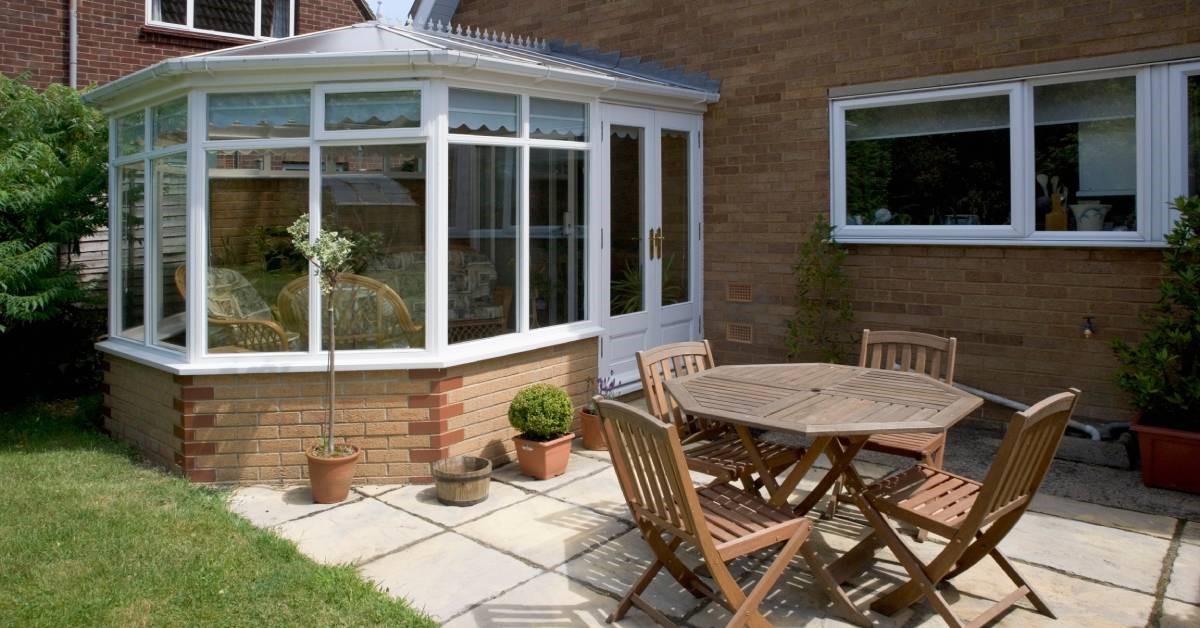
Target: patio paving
561 552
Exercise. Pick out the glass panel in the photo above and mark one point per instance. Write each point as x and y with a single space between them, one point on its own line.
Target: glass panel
483 241
131 202
627 219
253 269
557 236
934 163
170 200
170 11
276 18
375 196
131 133
170 123
676 219
557 120
483 113
373 110
1193 141
258 115
226 16
1085 155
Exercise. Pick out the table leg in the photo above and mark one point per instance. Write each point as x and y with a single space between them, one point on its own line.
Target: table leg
799 470
841 453
768 479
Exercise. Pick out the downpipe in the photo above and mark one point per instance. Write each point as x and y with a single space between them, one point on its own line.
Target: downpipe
73 46
1090 430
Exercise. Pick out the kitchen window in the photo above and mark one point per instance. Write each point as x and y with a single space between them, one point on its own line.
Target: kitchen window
262 19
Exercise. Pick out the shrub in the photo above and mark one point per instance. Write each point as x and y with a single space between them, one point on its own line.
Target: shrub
541 412
822 292
1161 373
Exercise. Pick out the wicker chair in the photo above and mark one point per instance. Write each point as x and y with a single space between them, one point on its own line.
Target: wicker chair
238 319
370 315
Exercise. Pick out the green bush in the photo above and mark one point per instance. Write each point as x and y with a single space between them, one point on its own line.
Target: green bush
541 412
1161 373
822 295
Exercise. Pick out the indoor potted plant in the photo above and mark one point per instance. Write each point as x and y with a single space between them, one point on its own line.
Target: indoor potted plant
589 416
330 464
542 415
1161 372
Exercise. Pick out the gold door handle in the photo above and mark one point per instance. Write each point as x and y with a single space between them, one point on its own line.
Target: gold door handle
656 243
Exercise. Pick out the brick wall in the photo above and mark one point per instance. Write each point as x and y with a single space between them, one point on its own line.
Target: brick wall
112 41
1016 311
256 427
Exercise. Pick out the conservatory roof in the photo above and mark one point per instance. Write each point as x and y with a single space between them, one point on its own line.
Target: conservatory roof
374 44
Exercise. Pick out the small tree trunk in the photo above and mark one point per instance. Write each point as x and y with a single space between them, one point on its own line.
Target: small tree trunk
332 375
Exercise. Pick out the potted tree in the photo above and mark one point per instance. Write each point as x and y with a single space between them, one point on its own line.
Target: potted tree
589 416
542 415
1161 373
330 464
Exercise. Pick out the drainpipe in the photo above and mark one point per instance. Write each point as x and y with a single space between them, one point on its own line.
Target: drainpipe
73 43
1090 430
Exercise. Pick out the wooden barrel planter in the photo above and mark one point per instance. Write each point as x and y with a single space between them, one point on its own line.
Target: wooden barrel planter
462 480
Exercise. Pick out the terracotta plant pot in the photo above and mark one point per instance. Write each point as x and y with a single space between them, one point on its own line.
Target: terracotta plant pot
1170 457
593 434
330 478
542 460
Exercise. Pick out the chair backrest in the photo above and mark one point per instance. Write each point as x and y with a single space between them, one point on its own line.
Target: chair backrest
909 351
648 458
659 365
369 313
1025 455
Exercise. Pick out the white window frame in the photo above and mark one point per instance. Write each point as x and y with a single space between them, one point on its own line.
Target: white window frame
1161 162
424 129
191 14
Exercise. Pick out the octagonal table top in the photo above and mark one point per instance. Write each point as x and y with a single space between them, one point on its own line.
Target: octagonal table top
822 399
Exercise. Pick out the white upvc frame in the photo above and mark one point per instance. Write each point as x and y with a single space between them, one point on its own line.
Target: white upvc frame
422 130
191 19
1161 163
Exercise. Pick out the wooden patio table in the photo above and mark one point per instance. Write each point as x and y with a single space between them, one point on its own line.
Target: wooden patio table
838 407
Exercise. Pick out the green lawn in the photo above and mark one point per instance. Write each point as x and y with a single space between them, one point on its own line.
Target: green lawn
89 537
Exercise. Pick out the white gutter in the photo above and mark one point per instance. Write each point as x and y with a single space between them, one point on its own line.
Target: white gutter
432 58
73 43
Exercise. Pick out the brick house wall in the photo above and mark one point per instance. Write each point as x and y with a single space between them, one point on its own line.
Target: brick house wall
113 39
1016 311
256 427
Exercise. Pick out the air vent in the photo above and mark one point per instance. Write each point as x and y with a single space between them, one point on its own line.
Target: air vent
739 332
738 292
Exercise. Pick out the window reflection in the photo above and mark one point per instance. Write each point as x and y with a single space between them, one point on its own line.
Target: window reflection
557 236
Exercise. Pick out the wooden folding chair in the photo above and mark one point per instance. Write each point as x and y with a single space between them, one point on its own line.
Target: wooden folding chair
974 517
710 447
721 522
906 351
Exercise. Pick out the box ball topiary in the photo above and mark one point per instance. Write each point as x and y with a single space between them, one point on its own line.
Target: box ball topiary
541 412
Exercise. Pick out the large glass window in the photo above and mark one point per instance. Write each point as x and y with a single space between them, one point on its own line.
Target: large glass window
375 196
483 221
1193 135
558 225
131 133
170 123
627 220
931 163
236 17
258 115
557 120
474 112
254 272
131 204
1085 155
170 211
676 235
373 110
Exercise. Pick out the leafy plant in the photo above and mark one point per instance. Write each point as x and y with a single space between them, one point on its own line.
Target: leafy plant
331 255
627 291
1161 372
822 292
53 175
541 412
606 387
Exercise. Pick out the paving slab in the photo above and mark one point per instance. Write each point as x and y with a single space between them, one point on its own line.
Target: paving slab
1110 555
599 454
1179 615
422 500
599 491
267 506
548 600
1107 516
578 467
1191 533
375 490
447 574
1185 575
355 532
544 531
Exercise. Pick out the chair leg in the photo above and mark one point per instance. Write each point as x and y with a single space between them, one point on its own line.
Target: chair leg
831 507
749 606
1012 574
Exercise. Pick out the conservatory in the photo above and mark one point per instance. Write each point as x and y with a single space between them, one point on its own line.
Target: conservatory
520 211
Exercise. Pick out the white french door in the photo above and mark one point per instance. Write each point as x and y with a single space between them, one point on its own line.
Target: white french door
651 293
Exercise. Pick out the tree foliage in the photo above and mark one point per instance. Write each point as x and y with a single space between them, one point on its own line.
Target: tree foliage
1161 373
822 297
53 175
